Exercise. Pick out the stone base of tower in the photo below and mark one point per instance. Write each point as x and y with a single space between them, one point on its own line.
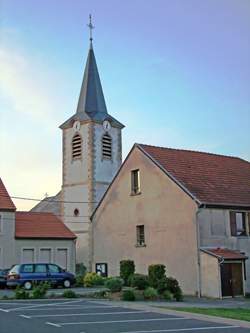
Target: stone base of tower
83 250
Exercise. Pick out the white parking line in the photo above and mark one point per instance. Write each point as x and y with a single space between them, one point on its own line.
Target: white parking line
120 321
42 305
88 314
4 310
56 325
73 307
24 316
182 329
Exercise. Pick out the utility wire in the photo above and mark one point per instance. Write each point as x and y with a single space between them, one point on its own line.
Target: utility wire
45 199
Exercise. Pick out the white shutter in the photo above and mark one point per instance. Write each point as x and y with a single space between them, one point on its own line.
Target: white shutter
28 256
62 258
45 255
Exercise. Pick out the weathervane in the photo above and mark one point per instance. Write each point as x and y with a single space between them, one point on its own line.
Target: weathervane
91 27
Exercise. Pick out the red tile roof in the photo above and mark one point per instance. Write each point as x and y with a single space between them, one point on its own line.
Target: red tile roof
5 200
41 225
210 178
226 254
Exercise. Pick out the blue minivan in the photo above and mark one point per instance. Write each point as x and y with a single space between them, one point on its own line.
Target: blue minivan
26 274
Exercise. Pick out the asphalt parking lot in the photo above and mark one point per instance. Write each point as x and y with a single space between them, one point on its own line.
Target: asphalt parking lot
91 316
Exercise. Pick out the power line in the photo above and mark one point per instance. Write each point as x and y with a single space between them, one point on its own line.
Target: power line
45 199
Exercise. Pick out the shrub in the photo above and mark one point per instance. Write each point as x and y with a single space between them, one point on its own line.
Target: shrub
150 293
93 279
69 294
167 295
178 295
155 274
162 285
21 293
128 295
114 284
79 280
175 289
40 290
139 281
127 268
81 269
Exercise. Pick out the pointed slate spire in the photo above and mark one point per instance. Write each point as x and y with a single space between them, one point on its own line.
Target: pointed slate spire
91 103
91 99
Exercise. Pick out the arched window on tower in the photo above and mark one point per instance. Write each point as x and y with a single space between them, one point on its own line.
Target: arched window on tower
107 146
76 147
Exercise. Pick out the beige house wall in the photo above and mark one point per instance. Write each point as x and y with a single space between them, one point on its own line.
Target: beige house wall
7 240
169 217
210 276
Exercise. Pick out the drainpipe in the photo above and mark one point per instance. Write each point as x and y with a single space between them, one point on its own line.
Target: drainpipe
198 251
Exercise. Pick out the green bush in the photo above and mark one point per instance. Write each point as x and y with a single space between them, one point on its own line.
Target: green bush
162 285
21 293
40 290
93 279
69 294
167 295
175 289
155 274
128 295
138 281
114 284
178 295
79 281
127 268
81 269
150 293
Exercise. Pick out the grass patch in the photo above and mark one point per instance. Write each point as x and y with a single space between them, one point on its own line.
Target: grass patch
235 313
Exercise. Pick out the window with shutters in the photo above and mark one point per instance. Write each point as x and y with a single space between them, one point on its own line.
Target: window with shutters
107 146
238 224
76 147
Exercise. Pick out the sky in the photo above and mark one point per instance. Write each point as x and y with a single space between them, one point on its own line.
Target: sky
175 72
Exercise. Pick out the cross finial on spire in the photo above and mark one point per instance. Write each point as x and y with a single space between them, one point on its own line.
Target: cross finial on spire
91 27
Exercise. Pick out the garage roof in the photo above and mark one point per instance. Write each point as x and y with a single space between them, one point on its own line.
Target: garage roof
41 225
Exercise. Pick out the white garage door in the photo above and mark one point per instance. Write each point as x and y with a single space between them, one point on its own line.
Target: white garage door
28 255
45 255
61 258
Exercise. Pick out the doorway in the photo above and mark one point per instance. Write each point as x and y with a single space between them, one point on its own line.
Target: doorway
231 279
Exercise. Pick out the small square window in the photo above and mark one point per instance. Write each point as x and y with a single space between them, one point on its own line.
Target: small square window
135 181
140 235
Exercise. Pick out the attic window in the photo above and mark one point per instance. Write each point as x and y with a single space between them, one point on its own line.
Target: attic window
107 146
76 147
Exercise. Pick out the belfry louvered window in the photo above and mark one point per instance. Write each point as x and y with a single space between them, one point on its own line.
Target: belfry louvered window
76 146
107 146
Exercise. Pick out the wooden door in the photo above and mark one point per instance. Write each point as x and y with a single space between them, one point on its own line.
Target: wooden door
237 281
231 279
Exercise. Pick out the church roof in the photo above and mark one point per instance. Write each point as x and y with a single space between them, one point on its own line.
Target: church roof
49 205
91 103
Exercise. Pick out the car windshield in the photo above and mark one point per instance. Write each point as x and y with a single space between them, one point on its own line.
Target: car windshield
14 269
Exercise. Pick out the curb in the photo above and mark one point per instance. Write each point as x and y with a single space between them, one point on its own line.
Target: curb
156 309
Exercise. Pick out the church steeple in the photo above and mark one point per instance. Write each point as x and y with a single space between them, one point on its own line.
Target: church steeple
91 104
91 99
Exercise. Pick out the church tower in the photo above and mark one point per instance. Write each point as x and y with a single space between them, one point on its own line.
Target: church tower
92 154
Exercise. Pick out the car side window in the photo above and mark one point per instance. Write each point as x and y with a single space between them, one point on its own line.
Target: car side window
27 269
40 268
54 269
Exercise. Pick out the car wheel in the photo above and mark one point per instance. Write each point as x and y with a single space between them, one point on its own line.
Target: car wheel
27 285
66 283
